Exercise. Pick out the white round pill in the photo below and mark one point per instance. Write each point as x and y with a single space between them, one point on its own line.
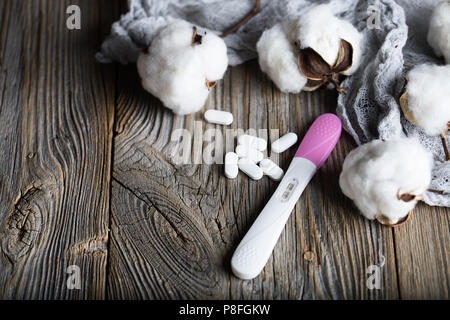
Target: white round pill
243 152
284 143
250 168
271 169
231 165
219 117
252 142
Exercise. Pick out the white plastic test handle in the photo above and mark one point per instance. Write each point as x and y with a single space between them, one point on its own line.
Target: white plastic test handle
256 247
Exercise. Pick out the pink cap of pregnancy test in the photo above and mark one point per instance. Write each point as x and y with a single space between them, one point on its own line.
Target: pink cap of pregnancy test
320 139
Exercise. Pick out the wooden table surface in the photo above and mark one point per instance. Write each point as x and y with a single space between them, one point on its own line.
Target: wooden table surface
87 178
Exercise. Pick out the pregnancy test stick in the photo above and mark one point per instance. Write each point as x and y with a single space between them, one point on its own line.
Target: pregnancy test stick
257 245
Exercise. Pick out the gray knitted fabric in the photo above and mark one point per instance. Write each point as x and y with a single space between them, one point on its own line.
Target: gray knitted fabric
369 108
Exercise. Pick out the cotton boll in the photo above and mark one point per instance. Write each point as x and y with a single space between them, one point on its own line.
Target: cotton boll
386 178
428 102
277 58
177 67
439 30
318 47
318 29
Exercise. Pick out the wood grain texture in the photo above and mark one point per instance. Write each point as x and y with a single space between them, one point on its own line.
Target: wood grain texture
56 117
422 249
90 175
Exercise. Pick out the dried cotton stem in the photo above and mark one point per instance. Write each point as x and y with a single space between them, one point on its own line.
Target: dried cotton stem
444 142
252 13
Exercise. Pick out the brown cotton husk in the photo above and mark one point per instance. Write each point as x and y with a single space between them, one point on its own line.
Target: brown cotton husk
210 84
387 222
318 72
403 101
408 197
312 85
196 38
344 60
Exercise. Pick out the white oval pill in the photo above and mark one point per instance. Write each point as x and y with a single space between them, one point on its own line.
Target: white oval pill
252 142
231 165
284 143
250 168
219 117
271 169
243 152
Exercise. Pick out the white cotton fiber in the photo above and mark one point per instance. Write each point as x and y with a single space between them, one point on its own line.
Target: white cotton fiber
374 174
428 91
278 58
439 30
176 71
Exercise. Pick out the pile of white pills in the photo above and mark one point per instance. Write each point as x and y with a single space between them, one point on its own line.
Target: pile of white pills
249 153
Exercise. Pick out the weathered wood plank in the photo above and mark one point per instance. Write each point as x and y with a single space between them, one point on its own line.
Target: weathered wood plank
323 252
423 254
56 116
154 217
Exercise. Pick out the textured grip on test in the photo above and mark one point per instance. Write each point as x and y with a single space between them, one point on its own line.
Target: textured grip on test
320 139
